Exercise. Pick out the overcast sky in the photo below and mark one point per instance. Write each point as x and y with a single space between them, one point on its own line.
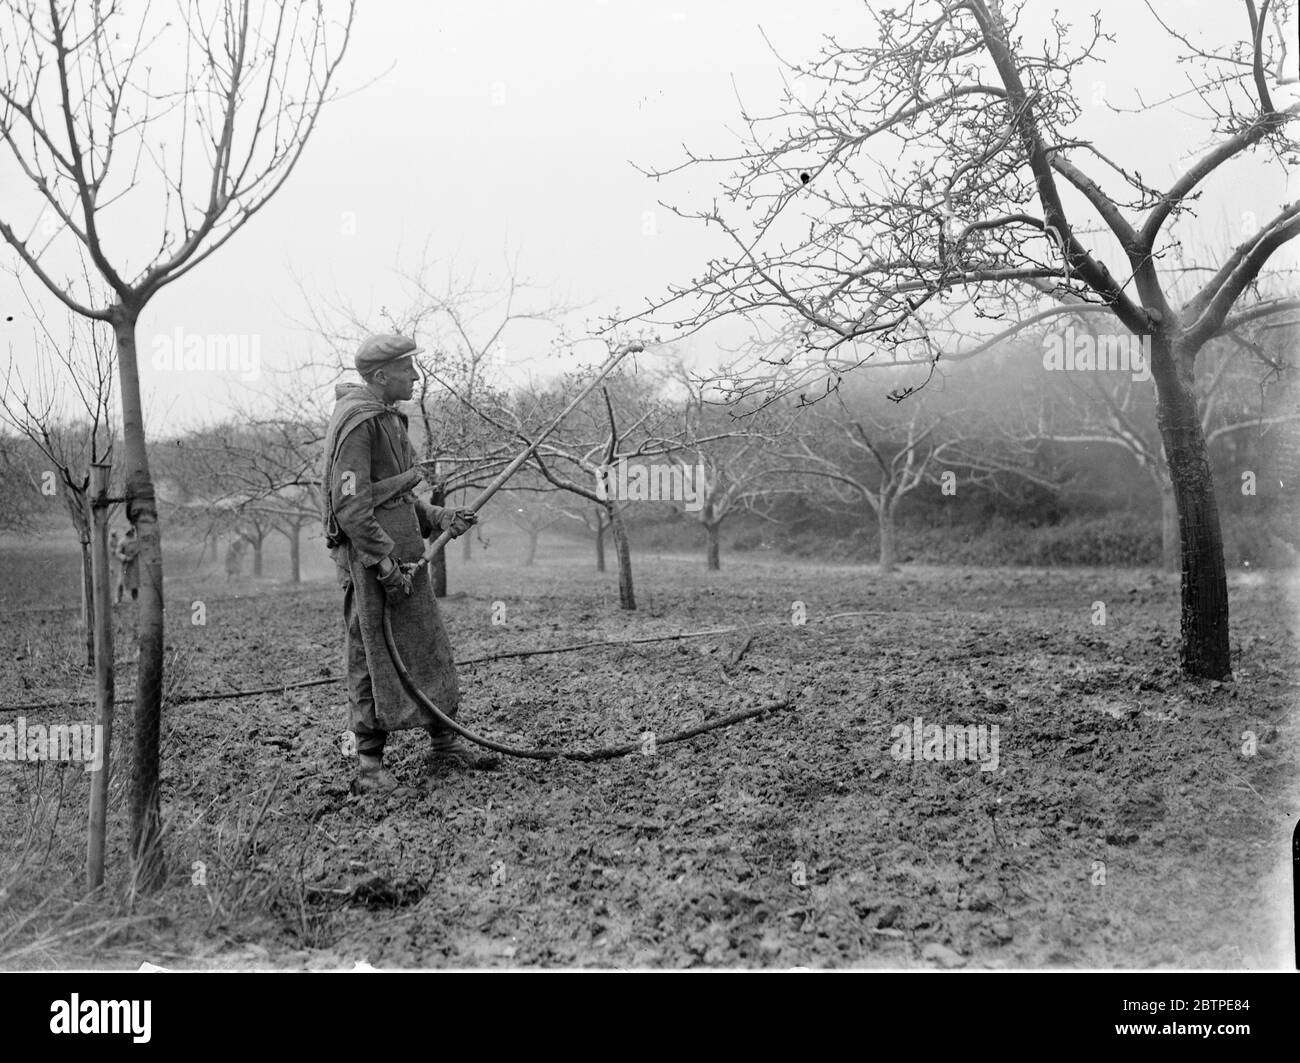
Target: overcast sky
509 125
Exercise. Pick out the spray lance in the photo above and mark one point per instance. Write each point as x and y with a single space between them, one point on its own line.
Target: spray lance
437 544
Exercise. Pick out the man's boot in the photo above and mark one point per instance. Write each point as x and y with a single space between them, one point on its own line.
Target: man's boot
374 778
450 748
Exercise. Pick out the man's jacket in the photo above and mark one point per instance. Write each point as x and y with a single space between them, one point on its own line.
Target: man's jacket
369 466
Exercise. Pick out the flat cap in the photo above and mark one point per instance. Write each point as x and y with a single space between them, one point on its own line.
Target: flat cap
382 349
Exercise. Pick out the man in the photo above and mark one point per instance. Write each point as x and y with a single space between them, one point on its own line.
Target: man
128 554
375 527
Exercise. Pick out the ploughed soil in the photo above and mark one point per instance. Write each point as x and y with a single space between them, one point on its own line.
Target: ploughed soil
1127 817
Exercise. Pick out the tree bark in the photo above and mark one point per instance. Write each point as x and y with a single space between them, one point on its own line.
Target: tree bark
713 531
1205 651
1168 527
102 593
623 550
88 601
531 556
142 510
600 542
885 521
78 503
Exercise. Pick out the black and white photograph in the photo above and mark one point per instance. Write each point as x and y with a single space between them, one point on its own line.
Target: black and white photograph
650 487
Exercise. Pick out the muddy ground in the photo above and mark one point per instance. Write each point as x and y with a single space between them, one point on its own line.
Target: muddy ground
1134 819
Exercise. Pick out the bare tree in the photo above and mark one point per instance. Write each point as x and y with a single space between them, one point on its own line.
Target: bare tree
254 527
594 519
626 421
1235 390
736 471
577 460
86 120
931 179
20 483
254 474
532 516
274 474
69 439
870 453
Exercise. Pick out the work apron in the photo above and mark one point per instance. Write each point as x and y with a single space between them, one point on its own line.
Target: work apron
417 629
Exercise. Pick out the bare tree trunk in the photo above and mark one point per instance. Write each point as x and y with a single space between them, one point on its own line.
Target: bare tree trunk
142 511
295 554
600 541
623 550
1205 651
102 593
88 601
438 566
1168 527
885 521
531 556
209 539
713 531
257 554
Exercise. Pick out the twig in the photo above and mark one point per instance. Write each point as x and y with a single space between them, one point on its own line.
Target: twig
739 653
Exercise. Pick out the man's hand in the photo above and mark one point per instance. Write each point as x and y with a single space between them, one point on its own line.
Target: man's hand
395 579
458 521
